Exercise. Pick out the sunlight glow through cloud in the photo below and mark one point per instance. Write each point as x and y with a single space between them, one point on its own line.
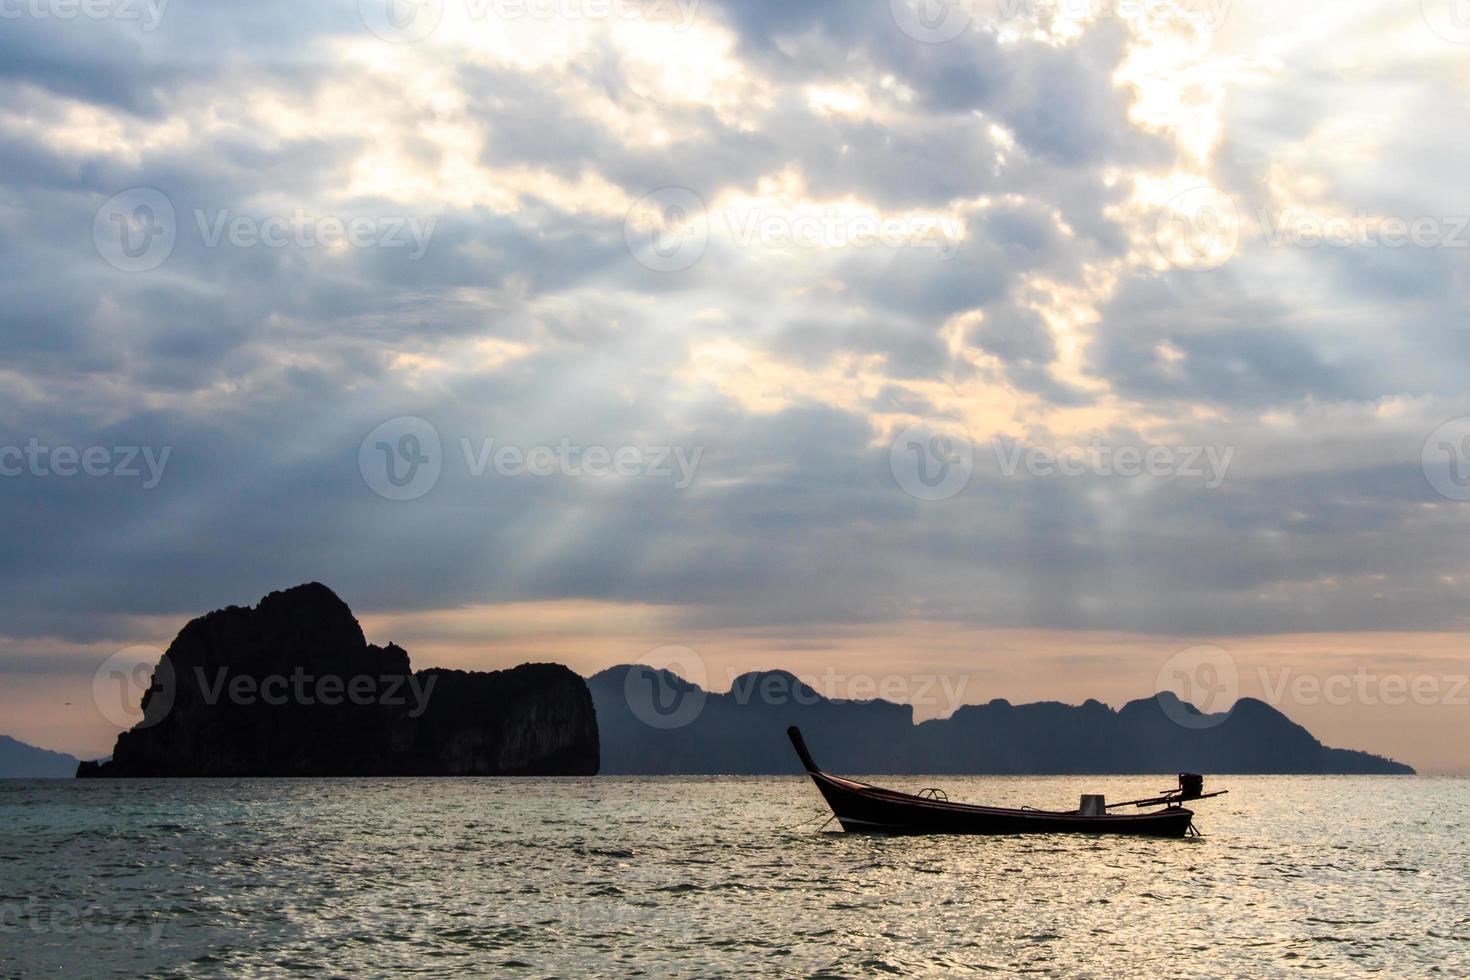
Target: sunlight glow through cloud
784 235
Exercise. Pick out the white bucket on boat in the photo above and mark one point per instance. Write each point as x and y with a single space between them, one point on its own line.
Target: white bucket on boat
1093 805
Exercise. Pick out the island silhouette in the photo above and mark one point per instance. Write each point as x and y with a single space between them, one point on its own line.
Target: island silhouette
291 687
21 761
654 722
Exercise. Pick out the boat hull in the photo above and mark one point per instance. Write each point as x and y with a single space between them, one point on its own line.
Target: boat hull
862 808
867 809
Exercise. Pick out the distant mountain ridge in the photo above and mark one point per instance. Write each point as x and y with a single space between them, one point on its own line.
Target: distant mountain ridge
654 722
21 761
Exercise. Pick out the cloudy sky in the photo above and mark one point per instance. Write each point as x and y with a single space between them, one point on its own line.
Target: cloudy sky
1069 347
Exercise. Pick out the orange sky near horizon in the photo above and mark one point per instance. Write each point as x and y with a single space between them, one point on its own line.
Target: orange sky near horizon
1066 164
1398 694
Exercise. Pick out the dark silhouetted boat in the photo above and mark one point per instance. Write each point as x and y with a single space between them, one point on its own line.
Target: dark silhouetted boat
865 808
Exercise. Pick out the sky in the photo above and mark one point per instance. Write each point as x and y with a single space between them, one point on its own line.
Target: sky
1052 348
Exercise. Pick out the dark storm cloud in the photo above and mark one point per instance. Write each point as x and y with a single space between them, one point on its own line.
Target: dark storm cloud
1201 336
102 63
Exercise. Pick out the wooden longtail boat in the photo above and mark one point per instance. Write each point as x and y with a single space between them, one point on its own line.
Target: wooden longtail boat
862 807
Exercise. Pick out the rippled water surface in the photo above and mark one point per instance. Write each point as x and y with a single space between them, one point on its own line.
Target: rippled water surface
688 876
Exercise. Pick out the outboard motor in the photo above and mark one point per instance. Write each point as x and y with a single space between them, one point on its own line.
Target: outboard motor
1191 785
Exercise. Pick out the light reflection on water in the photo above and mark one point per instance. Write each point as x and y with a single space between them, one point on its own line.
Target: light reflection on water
690 876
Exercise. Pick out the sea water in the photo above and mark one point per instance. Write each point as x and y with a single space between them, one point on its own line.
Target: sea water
1320 876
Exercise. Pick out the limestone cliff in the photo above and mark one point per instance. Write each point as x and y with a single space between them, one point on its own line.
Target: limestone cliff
292 688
